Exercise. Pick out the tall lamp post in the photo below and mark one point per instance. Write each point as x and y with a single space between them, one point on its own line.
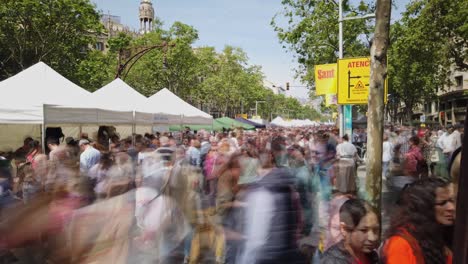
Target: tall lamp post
132 60
256 106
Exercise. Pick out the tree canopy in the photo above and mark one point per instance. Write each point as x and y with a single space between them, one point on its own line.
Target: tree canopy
311 32
62 33
57 32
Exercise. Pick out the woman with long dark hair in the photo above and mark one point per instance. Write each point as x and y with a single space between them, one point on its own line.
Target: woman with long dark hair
360 229
422 228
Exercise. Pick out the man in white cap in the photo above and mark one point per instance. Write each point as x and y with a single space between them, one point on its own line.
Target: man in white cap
89 156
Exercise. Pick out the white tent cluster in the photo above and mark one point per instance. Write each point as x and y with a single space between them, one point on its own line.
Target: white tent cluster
278 121
41 96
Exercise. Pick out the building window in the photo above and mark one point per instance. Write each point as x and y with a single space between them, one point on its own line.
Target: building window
100 46
459 81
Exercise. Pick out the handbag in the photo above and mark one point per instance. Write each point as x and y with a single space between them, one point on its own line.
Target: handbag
434 156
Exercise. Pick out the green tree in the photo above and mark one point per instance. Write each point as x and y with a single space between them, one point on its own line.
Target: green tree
445 23
57 32
415 63
97 70
311 32
172 67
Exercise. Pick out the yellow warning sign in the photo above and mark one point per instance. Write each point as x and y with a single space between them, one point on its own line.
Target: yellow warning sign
353 81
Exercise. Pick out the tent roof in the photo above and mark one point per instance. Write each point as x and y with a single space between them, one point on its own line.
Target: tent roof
249 122
166 103
40 84
278 121
232 123
24 94
216 126
119 95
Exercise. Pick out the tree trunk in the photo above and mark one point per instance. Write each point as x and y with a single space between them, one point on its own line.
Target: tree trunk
376 102
460 253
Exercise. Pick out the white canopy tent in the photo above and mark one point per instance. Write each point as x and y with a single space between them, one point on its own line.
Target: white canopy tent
278 121
168 108
24 97
120 96
114 104
39 96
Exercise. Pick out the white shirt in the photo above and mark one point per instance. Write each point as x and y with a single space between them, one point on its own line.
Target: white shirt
456 140
258 216
441 141
346 149
387 151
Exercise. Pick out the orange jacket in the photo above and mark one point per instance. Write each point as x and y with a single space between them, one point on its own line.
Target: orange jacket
398 250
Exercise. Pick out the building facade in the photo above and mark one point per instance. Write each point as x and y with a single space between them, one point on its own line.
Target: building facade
450 107
113 26
277 89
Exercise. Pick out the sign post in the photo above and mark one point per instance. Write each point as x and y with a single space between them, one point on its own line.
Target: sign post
348 120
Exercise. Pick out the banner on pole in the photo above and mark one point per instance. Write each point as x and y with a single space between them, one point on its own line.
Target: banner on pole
325 79
354 80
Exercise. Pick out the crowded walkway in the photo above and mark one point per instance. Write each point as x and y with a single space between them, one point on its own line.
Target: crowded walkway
275 195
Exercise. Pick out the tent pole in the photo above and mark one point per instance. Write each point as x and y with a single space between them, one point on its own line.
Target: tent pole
133 128
181 122
43 129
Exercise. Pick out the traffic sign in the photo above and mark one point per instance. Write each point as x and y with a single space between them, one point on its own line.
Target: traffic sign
422 119
353 81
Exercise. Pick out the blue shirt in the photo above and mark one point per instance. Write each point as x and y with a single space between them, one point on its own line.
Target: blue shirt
88 159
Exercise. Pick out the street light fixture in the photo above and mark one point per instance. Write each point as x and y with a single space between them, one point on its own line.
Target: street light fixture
132 60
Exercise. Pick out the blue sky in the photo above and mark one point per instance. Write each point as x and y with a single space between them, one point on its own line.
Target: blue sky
240 23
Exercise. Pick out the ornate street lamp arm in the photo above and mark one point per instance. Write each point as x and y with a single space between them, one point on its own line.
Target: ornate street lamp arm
132 60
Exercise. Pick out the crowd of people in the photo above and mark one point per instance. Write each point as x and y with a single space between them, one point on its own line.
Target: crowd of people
274 195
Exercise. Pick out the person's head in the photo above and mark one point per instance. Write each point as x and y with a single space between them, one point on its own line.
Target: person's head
84 136
450 129
224 147
195 143
359 225
27 141
426 210
346 138
52 143
279 150
106 160
34 145
71 142
296 153
324 152
414 141
84 144
164 141
428 201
